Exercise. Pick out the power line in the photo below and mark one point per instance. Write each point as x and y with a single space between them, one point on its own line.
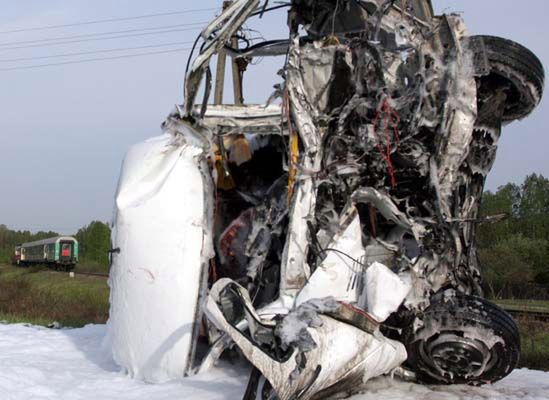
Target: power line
94 59
83 53
60 38
101 21
96 39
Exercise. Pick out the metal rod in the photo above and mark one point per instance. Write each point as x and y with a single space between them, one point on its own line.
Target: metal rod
220 71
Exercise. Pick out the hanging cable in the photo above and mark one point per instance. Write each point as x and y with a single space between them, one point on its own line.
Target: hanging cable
189 58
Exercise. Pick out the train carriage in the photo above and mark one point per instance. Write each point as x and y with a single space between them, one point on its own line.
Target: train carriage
59 252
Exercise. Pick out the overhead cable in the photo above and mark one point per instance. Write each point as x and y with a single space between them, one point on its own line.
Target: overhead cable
87 35
83 53
94 59
107 20
96 39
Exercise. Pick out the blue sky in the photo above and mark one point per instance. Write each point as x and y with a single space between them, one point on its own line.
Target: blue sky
64 129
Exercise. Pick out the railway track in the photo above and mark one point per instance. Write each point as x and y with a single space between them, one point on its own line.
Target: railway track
90 274
536 313
63 272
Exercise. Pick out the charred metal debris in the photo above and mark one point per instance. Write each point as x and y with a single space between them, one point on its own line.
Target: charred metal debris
387 115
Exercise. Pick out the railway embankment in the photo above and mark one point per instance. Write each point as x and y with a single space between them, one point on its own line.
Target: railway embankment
41 296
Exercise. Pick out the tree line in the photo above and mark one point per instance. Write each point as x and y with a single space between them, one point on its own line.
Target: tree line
93 239
514 252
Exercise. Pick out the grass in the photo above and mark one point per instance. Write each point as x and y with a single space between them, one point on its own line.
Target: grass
40 296
535 344
90 266
534 334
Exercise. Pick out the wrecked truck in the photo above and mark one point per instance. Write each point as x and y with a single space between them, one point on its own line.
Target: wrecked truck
329 235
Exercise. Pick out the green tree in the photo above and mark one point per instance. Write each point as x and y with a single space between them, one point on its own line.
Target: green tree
95 243
10 238
505 201
513 260
501 267
517 249
534 207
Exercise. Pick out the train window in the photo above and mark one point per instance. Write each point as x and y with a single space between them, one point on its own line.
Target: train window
65 250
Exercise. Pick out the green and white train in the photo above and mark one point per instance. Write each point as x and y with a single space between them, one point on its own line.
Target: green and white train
59 252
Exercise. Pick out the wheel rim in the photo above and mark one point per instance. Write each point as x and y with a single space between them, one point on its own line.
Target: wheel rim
455 357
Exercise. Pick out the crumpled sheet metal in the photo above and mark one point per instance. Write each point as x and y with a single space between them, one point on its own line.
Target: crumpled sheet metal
461 114
233 119
343 355
338 276
294 269
386 206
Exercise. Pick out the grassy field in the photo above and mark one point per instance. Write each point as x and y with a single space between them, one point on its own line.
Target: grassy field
535 344
86 266
534 334
41 296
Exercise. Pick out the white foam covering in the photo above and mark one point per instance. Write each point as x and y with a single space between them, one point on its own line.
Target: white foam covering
155 279
338 276
385 291
71 364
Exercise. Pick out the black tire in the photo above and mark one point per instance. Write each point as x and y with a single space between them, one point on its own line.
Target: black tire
513 65
464 340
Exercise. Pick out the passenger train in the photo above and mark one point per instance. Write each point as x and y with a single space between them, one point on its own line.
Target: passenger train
59 252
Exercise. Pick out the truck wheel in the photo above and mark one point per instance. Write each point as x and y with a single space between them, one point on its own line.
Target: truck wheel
463 340
512 66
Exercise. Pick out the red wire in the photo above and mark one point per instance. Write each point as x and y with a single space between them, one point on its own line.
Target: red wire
391 119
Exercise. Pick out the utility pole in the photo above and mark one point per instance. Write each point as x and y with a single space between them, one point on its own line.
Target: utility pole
220 72
237 77
220 78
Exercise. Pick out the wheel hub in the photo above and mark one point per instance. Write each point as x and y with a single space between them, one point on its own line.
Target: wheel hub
455 356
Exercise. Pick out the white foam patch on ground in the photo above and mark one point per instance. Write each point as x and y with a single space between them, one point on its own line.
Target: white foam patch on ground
38 363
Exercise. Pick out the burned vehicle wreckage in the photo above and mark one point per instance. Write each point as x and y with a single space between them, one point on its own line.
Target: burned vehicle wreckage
336 224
